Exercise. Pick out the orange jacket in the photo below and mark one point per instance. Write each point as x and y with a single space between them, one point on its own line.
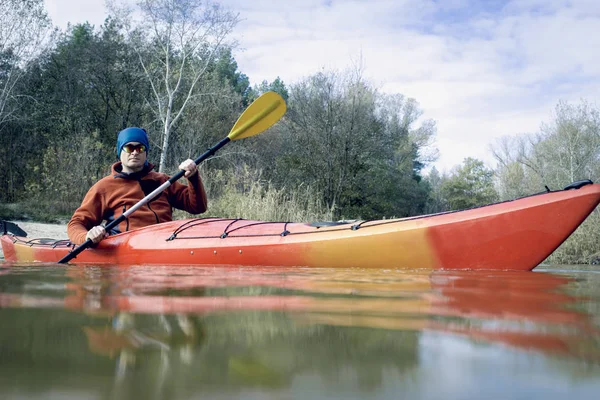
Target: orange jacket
112 195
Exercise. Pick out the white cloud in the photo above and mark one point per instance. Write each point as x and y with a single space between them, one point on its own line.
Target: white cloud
480 69
74 11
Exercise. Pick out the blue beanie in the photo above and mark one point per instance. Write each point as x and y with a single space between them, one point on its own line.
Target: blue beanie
132 134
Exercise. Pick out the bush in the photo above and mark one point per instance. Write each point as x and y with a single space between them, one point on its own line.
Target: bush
57 212
245 195
583 246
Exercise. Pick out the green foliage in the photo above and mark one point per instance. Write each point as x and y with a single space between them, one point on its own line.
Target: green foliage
91 82
436 202
56 174
469 185
82 93
225 69
582 247
353 145
48 210
276 86
15 155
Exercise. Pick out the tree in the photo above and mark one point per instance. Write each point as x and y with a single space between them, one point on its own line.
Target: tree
331 124
225 70
86 89
469 185
571 142
24 32
177 41
436 201
359 149
405 149
516 172
276 86
565 150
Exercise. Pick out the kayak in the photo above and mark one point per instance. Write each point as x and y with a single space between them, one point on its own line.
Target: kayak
512 235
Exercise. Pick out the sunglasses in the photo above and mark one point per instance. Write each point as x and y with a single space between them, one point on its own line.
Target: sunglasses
130 148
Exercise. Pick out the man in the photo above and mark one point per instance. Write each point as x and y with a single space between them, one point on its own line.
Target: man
130 181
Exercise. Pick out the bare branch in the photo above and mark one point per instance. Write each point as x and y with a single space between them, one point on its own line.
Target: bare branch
25 31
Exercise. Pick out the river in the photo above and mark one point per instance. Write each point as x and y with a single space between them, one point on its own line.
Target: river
137 332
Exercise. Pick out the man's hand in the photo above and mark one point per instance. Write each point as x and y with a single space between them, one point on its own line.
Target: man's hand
189 166
96 234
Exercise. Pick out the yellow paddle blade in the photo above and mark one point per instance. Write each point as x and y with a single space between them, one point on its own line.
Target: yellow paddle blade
260 115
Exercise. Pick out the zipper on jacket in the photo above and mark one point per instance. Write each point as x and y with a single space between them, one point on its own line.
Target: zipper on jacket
155 214
151 200
126 219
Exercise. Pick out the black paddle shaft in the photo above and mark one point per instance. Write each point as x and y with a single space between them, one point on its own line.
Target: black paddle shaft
211 151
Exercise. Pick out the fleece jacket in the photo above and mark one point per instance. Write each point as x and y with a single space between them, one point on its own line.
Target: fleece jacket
114 194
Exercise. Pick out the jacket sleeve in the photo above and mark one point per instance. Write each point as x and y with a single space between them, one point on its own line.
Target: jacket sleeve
190 198
88 215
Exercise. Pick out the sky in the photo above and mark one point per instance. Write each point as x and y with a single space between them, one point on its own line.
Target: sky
481 69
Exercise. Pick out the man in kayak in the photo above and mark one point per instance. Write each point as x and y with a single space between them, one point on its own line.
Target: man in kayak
131 180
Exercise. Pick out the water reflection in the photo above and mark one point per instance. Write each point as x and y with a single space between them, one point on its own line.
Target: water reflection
156 332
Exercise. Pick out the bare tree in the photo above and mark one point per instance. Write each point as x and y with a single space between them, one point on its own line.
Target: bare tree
178 40
24 30
572 142
565 150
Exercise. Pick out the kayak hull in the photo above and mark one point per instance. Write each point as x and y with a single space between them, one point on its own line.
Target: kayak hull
513 235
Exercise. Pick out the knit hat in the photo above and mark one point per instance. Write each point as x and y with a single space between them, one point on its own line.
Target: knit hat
132 134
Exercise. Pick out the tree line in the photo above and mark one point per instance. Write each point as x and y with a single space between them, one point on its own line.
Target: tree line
172 72
344 147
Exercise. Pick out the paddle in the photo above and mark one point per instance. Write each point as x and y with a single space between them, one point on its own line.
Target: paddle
260 115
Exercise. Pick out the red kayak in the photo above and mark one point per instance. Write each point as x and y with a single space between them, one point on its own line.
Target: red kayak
511 235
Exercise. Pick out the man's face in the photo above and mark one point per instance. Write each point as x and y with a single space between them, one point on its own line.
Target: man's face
133 157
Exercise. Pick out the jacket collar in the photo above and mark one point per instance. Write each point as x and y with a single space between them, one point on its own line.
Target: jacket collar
117 171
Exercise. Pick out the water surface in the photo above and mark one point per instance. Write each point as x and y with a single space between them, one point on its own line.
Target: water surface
189 333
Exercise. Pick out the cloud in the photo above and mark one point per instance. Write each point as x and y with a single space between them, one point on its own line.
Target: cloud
74 11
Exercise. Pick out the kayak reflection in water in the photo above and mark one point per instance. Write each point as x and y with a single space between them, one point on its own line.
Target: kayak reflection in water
495 306
160 334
